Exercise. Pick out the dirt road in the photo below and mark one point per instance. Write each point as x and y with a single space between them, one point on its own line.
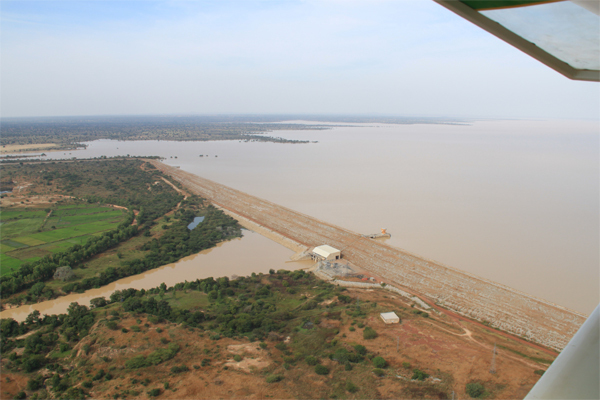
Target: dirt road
465 294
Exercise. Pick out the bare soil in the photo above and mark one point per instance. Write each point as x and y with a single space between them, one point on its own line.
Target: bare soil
455 352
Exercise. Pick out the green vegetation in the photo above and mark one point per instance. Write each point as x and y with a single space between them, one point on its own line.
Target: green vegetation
369 333
351 387
298 332
475 390
72 262
419 375
274 378
379 362
29 234
321 369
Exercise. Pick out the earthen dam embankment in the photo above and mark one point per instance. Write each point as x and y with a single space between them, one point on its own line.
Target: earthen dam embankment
471 296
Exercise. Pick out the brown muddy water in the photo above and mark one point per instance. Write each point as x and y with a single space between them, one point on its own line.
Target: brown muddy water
236 257
516 202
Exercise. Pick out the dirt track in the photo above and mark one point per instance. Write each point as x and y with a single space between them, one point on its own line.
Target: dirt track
468 295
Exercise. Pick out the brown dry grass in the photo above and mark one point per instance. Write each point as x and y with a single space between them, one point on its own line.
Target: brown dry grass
16 148
436 345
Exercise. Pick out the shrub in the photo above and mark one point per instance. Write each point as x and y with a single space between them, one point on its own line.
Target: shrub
153 392
274 378
281 346
344 299
406 365
351 387
237 358
419 375
164 340
35 383
475 389
21 395
341 356
179 368
378 372
348 367
166 385
124 330
136 362
352 329
321 369
263 345
360 349
112 325
369 333
539 372
379 362
99 375
87 384
311 360
135 328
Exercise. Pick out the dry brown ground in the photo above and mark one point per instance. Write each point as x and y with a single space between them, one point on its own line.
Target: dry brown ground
15 200
457 352
16 148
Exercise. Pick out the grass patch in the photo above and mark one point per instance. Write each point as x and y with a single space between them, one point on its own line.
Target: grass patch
9 264
536 359
25 243
13 244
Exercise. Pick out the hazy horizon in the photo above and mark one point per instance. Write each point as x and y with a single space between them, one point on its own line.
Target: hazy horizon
408 58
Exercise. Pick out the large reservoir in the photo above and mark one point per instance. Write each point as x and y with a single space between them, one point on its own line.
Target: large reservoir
513 201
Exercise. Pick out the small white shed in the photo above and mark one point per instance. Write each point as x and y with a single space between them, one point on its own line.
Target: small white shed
327 252
389 317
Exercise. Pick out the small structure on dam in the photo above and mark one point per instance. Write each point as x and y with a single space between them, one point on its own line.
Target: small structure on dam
326 252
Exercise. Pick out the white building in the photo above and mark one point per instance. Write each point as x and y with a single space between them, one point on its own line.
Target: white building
326 252
389 317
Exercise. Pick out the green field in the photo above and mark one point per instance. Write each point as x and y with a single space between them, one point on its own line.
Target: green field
28 234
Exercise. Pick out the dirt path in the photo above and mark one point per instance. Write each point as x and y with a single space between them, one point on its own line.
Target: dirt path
462 293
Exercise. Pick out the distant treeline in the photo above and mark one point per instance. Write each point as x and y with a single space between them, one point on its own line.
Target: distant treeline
74 130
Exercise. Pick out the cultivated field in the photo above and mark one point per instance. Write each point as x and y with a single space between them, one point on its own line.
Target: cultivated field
29 234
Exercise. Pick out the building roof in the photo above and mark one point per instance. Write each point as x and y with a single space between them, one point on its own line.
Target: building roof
325 250
389 315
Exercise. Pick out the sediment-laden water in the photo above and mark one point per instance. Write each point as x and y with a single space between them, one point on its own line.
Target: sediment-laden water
516 202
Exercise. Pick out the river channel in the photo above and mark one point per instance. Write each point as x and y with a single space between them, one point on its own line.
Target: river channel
516 202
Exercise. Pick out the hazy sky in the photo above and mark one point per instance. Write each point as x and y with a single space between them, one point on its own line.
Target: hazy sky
400 57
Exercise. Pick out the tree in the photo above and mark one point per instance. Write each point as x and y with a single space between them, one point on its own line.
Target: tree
98 302
33 318
64 273
379 362
37 289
